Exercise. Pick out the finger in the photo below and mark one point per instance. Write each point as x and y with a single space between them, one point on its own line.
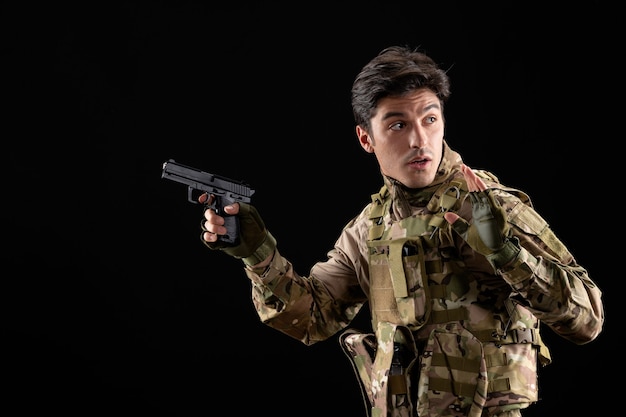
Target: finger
474 182
458 224
206 198
469 179
232 208
212 231
212 217
215 226
451 217
479 183
209 237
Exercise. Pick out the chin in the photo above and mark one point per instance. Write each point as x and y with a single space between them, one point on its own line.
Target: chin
420 182
413 184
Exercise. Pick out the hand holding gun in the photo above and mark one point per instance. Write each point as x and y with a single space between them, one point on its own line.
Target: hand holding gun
224 190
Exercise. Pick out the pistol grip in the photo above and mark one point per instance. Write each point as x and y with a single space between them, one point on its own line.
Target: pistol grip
232 229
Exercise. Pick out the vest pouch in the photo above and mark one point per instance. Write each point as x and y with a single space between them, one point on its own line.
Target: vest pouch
513 377
453 375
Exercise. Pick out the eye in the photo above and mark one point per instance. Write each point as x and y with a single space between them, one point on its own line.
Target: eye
397 126
430 119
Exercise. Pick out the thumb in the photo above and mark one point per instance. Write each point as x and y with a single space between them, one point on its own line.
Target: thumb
459 224
451 217
232 209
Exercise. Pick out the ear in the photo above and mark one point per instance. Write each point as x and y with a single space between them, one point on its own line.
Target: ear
364 139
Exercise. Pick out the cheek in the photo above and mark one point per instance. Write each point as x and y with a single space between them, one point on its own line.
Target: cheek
387 159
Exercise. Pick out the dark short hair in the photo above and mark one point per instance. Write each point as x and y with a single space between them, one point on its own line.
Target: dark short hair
395 71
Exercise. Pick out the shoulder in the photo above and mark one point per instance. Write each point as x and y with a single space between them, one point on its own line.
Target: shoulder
503 191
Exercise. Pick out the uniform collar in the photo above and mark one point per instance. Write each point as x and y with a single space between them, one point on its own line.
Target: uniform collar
404 197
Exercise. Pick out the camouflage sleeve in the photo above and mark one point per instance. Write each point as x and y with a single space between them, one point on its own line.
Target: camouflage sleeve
313 308
546 275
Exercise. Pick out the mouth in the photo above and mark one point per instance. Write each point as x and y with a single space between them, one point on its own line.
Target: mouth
419 163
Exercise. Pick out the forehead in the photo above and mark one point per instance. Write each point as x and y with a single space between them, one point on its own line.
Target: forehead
416 102
415 99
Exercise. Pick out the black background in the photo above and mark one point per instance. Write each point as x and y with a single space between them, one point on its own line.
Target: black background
110 302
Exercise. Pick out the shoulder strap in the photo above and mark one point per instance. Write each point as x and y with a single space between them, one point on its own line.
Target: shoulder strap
379 204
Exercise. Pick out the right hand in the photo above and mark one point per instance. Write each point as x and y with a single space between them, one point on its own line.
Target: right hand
256 244
213 223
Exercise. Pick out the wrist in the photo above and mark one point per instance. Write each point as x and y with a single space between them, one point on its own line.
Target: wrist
506 254
262 253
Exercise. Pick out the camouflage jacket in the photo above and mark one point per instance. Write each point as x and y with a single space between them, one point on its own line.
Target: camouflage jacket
429 292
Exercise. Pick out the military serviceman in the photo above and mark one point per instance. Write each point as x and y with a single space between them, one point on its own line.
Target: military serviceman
458 270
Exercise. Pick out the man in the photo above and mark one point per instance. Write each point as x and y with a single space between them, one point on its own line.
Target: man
458 269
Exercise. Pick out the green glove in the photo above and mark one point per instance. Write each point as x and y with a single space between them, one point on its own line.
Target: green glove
255 242
488 233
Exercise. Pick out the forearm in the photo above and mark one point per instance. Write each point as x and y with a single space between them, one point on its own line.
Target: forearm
301 307
560 295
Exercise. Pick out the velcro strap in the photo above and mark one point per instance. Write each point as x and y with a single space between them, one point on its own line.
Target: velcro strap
433 267
376 215
454 362
460 389
496 359
498 385
445 316
397 385
465 389
398 279
512 336
438 290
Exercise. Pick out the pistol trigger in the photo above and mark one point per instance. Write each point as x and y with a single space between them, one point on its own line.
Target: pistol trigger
193 196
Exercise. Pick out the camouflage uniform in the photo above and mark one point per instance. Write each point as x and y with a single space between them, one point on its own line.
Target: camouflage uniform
453 334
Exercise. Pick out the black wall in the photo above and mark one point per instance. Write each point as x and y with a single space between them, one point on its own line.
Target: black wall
111 303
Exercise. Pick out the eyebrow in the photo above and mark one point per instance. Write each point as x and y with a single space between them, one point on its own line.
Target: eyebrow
397 113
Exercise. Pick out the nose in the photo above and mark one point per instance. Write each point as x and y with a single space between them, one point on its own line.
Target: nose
418 137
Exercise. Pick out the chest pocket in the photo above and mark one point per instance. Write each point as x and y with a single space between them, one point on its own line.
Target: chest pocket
407 265
398 282
413 284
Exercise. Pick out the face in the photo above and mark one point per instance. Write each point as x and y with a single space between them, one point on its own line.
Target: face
407 137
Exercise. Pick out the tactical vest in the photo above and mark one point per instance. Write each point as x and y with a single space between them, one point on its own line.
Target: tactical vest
431 328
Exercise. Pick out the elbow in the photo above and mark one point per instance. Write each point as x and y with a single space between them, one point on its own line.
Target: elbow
581 333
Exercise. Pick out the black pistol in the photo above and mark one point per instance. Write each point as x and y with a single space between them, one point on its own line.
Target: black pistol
225 190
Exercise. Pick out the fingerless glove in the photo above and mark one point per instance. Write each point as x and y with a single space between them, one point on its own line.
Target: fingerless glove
256 243
489 230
